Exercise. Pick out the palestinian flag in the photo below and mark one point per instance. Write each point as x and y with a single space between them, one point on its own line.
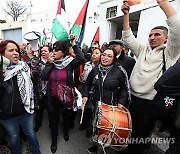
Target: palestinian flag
44 37
96 36
60 5
79 25
60 23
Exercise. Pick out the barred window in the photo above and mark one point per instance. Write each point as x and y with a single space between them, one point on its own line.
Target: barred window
111 12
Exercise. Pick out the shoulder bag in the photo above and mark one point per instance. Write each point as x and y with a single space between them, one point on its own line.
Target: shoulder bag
65 94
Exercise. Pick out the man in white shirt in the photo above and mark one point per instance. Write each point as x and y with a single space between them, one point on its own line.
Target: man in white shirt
149 65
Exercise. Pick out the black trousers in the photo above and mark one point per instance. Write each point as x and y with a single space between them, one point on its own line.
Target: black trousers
68 116
140 127
40 112
87 117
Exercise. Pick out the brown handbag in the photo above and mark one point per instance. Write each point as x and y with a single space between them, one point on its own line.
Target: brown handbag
66 95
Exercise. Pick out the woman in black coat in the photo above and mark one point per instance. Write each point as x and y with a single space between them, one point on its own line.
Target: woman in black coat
61 70
17 99
114 84
109 83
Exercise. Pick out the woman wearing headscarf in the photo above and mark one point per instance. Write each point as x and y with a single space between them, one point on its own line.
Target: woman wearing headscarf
17 99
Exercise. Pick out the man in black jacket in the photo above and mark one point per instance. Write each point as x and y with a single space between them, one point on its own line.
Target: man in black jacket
169 85
126 61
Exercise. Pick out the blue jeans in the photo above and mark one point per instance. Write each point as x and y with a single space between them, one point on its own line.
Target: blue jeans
12 127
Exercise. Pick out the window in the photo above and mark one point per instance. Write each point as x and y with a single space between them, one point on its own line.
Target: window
111 12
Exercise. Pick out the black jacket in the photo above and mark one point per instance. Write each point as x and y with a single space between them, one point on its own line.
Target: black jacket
70 82
115 88
169 83
10 100
127 63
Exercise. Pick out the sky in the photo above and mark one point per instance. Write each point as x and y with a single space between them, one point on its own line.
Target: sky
73 7
39 7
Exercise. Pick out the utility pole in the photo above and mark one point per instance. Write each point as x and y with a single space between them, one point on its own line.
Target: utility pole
30 9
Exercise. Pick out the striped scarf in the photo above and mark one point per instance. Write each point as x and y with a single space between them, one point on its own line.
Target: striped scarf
25 85
62 63
104 70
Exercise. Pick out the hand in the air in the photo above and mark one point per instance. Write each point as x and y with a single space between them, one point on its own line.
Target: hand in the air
125 7
161 1
84 100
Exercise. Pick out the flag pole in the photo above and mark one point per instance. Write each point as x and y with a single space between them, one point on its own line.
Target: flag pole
51 38
53 21
82 113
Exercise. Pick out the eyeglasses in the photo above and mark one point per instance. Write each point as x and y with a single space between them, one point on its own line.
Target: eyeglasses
107 55
93 48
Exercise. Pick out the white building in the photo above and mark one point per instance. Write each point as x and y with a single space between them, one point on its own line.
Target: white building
106 14
143 17
34 22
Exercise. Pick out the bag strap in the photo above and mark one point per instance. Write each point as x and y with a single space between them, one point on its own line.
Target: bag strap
100 86
1 68
164 62
55 75
92 87
1 75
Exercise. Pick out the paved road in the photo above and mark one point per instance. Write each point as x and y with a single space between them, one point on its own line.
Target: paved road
77 143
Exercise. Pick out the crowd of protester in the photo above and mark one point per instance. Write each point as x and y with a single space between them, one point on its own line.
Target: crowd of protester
105 73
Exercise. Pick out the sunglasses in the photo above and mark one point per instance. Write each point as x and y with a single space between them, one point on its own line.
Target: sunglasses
56 49
93 48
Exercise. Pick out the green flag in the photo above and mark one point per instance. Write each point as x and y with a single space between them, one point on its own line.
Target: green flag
58 27
59 31
44 40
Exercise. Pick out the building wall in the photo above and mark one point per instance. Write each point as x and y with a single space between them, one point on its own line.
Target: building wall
152 17
13 25
111 28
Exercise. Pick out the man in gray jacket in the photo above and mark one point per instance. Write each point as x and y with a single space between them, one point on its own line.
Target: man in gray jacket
150 65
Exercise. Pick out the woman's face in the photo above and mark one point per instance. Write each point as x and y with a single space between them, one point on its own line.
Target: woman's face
12 53
107 57
45 52
58 54
95 57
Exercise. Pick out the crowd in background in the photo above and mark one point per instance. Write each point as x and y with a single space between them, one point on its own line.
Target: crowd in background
110 73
